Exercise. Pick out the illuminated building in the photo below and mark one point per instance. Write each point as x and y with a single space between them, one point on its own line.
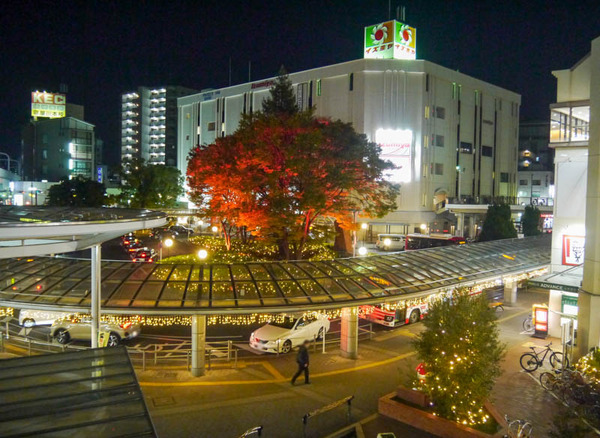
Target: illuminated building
454 137
574 283
58 147
149 124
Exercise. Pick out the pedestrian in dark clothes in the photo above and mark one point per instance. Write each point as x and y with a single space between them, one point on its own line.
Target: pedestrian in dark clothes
302 359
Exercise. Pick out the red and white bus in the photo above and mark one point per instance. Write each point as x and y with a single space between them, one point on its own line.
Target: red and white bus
422 241
414 310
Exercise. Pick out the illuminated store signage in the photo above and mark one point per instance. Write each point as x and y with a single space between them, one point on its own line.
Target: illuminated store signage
395 146
573 250
50 105
391 40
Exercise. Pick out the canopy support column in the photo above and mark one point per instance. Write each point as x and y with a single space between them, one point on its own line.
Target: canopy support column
349 335
510 292
198 344
96 288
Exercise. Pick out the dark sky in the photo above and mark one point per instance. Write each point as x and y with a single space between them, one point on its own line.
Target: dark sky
101 48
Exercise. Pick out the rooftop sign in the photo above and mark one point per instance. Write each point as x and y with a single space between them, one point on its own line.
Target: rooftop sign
390 40
50 105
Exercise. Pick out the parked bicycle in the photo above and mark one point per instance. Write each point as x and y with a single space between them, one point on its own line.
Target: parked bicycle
532 361
557 381
518 428
528 323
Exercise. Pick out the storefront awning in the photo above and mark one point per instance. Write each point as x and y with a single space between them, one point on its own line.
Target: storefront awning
566 281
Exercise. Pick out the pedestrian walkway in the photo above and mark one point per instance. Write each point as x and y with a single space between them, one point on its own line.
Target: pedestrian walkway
228 401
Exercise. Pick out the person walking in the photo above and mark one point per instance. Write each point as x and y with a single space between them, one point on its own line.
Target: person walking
302 360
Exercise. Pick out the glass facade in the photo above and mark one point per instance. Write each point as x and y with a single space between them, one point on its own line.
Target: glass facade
569 124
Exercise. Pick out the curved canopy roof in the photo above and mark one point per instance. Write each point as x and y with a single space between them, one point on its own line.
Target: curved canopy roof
28 231
266 287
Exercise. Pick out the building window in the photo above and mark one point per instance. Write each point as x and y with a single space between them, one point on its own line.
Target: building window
211 126
466 148
351 83
487 151
504 176
318 87
439 140
440 112
536 182
438 169
523 182
45 154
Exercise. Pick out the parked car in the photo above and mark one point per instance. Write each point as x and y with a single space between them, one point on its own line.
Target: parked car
74 328
289 333
391 242
180 229
30 318
163 233
144 255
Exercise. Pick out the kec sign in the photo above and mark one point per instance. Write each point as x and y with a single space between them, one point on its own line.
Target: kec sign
50 105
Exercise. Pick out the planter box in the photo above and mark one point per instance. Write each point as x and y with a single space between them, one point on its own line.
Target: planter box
423 420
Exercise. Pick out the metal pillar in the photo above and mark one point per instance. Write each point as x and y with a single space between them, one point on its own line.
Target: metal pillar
510 292
96 288
349 335
198 344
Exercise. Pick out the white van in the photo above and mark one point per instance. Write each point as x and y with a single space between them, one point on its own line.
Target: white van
30 318
391 242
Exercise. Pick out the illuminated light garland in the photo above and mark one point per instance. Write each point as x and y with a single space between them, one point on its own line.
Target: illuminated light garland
236 320
6 311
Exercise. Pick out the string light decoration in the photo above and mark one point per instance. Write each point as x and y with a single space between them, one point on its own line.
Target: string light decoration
461 351
589 366
6 311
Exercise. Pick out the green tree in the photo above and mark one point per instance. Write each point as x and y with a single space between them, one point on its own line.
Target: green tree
531 221
281 100
77 192
497 224
461 351
284 169
150 186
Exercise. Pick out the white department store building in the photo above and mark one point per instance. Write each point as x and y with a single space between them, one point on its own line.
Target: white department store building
452 136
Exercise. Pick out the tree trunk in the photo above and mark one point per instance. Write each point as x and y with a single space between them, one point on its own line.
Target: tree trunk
284 247
226 235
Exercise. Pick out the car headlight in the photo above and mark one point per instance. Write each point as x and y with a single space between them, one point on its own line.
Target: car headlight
387 242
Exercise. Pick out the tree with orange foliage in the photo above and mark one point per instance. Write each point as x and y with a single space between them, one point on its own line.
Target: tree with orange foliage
283 169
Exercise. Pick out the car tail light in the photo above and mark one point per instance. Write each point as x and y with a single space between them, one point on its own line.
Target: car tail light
150 260
125 325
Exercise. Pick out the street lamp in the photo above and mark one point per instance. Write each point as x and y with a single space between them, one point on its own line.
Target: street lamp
168 242
362 251
364 226
215 229
423 228
202 254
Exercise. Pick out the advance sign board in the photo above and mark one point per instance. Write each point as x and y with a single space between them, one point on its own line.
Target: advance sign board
390 40
49 105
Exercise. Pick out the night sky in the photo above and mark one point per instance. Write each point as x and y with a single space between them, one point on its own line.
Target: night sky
101 49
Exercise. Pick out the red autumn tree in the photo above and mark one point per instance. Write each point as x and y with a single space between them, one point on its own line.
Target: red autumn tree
282 170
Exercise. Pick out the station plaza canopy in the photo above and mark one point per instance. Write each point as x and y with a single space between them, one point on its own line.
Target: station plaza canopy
182 289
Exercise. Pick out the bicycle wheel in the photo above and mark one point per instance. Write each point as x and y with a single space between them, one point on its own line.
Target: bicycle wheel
526 430
557 359
529 362
528 324
548 381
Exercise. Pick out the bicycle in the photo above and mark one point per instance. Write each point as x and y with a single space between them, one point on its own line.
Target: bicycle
558 381
518 428
531 361
528 324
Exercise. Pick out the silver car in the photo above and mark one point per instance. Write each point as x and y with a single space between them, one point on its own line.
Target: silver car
75 328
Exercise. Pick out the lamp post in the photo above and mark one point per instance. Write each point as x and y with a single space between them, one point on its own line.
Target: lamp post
202 254
364 227
168 243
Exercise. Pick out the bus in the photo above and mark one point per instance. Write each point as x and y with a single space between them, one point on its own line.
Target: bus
422 241
414 310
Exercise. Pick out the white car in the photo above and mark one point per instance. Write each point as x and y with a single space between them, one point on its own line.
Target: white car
289 333
391 242
29 318
65 330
